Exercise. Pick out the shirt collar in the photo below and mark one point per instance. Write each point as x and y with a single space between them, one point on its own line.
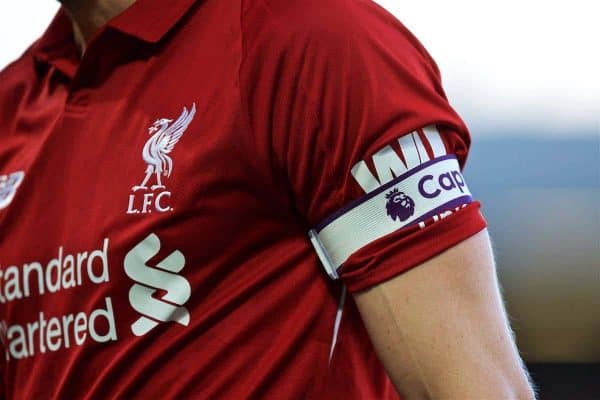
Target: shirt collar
146 20
57 45
150 20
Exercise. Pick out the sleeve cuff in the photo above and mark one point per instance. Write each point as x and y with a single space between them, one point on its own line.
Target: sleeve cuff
402 250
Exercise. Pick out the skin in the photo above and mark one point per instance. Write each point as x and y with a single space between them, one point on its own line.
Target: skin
440 329
88 16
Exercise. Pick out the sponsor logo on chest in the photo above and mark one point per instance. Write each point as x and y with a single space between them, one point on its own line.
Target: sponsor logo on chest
45 331
149 279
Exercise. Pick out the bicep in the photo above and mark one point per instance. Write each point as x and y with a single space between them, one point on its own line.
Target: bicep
441 330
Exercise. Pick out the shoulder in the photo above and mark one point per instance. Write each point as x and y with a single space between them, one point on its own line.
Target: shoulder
15 82
344 30
18 69
325 19
322 15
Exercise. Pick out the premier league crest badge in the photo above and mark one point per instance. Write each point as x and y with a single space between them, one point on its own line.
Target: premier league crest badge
399 205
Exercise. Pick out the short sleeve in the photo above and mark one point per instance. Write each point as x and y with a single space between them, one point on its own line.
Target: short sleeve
349 109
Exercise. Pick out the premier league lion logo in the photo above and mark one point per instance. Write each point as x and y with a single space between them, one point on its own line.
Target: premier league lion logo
399 205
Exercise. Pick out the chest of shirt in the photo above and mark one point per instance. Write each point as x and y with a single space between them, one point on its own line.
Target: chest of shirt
154 148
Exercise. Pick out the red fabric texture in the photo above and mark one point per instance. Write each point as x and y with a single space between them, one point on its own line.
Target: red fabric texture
339 86
288 96
402 250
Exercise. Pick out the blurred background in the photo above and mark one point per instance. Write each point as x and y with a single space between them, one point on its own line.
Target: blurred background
524 75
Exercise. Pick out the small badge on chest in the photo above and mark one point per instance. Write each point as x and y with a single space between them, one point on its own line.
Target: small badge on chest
152 194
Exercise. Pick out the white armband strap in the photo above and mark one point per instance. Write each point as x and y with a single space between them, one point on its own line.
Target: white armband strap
423 192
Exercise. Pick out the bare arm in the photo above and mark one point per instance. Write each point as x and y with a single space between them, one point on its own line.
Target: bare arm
441 329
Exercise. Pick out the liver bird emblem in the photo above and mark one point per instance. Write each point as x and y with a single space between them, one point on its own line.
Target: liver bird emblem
165 135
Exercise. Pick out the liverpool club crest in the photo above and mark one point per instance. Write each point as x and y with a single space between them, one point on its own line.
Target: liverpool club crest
164 135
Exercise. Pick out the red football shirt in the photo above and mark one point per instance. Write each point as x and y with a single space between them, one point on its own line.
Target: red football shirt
156 199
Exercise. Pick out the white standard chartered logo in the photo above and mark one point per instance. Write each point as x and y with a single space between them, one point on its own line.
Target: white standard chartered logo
149 279
27 287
